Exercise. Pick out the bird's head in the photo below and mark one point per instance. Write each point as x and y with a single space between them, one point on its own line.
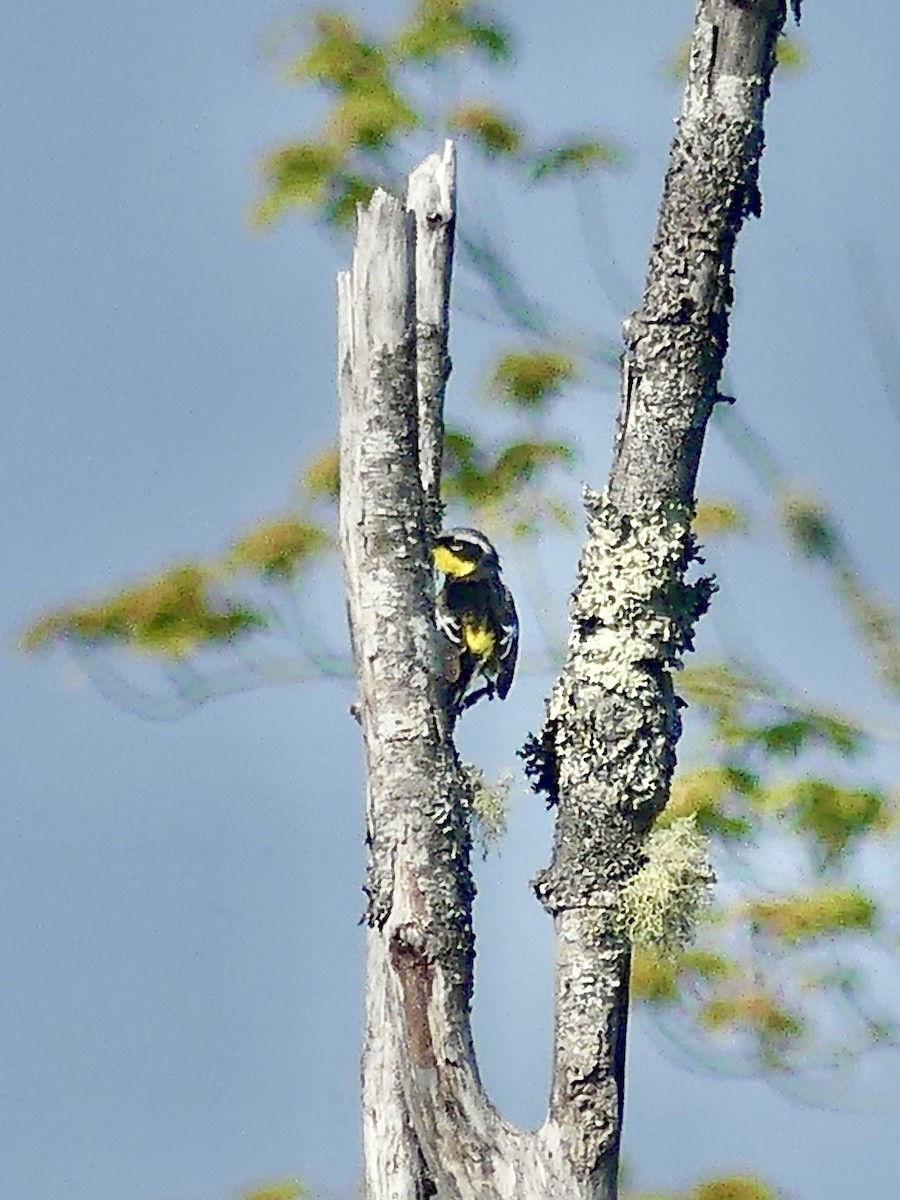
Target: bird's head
464 554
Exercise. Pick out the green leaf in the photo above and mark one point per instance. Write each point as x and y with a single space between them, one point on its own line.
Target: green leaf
653 977
708 793
340 59
496 135
276 550
370 119
321 479
809 527
288 1190
790 53
576 158
822 913
834 816
714 518
788 737
348 191
521 462
528 379
706 965
473 475
441 27
733 1187
298 174
754 1010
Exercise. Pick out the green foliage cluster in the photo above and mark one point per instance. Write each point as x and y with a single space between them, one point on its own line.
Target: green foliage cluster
275 550
372 83
727 1187
715 517
503 485
817 537
188 607
776 956
171 614
825 912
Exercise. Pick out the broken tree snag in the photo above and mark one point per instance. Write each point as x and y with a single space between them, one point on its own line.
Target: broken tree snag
607 750
422 1100
385 573
431 196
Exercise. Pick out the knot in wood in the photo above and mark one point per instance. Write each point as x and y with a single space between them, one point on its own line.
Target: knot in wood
409 946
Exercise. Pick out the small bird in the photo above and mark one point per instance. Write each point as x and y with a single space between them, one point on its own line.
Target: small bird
476 614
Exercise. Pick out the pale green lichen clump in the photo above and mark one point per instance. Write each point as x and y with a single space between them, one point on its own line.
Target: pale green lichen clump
631 606
489 805
660 905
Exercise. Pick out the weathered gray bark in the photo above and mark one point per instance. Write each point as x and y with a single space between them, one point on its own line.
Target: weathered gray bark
607 749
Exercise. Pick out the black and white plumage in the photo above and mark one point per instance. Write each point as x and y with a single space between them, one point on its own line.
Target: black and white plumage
476 614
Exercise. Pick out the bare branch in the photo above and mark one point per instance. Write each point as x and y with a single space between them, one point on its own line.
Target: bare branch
607 750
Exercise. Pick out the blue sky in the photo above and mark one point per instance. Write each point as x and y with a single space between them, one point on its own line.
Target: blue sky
181 955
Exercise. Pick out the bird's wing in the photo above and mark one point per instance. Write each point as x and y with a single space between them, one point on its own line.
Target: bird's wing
509 643
447 621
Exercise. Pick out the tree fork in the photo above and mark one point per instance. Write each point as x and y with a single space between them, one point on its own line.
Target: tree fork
607 749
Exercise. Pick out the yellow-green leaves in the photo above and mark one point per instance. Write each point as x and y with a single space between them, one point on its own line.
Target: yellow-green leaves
301 173
716 796
757 1012
275 550
370 119
809 526
800 730
494 133
576 157
834 817
289 1190
658 977
727 1187
732 1187
340 58
825 912
529 379
321 478
716 517
439 27
476 475
749 713
171 614
790 53
191 606
726 1000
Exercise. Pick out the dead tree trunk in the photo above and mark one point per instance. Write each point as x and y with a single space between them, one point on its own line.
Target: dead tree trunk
607 749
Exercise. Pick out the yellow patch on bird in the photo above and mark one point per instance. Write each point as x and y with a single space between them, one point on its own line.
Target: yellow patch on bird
452 564
479 639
